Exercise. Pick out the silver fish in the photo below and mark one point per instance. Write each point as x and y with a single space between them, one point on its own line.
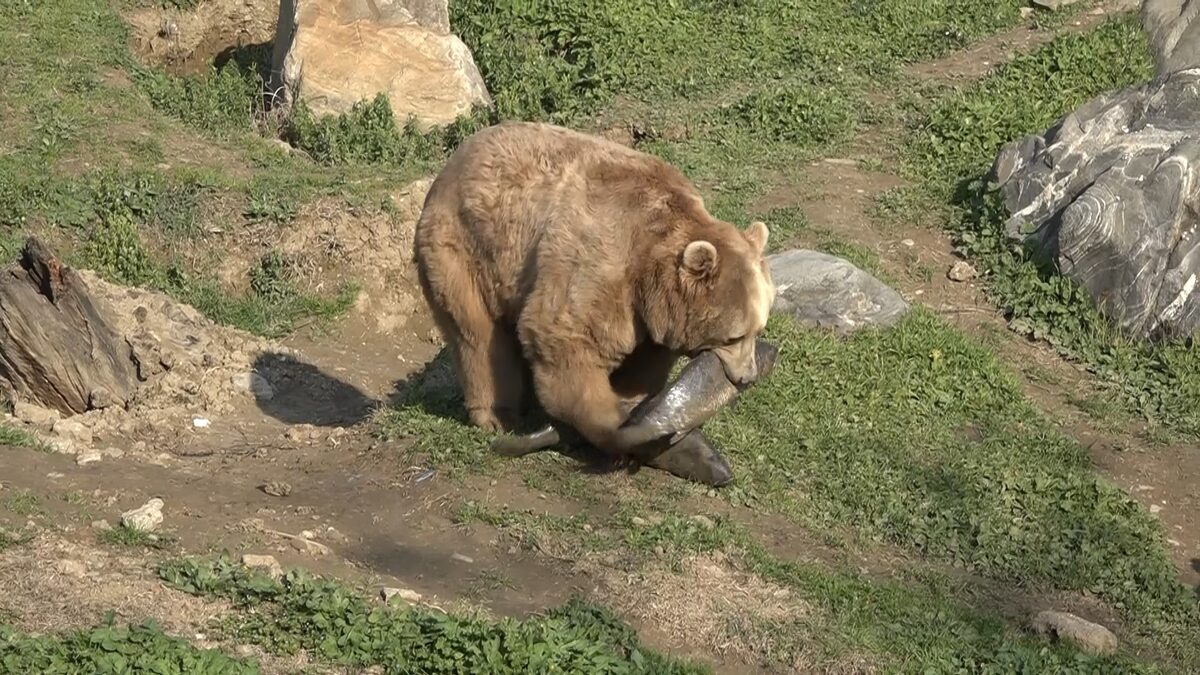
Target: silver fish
660 421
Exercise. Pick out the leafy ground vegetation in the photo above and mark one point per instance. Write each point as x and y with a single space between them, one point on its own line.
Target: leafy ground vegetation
949 154
916 440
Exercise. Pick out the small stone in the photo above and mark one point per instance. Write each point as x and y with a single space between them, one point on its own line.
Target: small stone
1027 12
1155 508
64 446
638 521
961 271
659 551
277 488
253 383
587 527
244 651
101 525
309 546
73 430
1090 637
908 242
146 518
462 558
34 414
88 457
266 563
113 453
704 521
70 568
405 594
200 423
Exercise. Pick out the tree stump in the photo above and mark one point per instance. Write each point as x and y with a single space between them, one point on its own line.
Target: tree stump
57 349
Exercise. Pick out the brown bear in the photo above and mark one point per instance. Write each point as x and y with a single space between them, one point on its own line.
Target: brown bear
590 267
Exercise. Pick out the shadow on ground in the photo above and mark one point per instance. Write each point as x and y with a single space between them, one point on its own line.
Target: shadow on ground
303 393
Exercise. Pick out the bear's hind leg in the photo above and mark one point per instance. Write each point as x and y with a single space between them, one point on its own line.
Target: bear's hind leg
485 351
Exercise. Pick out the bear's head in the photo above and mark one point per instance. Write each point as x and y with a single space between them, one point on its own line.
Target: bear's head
726 294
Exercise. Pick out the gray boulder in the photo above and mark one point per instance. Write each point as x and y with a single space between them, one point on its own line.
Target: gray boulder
824 291
1174 33
1112 193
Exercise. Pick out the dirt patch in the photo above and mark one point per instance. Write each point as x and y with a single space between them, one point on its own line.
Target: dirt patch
975 62
192 41
708 601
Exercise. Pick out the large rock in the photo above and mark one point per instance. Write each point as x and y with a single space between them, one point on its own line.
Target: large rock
1112 193
334 53
1174 33
821 290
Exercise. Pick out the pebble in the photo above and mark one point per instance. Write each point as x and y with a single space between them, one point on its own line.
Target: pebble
908 242
961 271
405 594
704 521
200 423
101 525
1090 637
70 568
146 517
305 545
638 521
88 457
253 383
277 488
462 558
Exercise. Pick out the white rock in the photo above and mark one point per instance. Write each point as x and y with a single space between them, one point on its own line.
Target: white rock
267 563
335 54
88 457
961 271
253 383
146 518
1088 636
407 595
73 430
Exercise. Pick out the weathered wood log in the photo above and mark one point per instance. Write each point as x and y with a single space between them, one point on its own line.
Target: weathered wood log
57 348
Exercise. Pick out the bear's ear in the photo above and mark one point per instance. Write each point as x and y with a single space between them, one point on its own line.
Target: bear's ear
700 258
757 235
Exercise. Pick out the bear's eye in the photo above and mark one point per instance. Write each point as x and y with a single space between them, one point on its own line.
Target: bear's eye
734 340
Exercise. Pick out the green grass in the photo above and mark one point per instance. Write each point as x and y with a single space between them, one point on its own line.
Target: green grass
127 537
18 438
877 435
931 625
918 437
93 164
109 648
335 625
22 502
952 150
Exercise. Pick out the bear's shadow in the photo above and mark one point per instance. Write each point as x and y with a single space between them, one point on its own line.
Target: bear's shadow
434 389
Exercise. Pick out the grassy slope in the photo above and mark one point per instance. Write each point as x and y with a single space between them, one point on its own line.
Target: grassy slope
915 436
951 148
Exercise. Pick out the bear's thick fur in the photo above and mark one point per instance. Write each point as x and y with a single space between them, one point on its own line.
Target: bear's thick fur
586 265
